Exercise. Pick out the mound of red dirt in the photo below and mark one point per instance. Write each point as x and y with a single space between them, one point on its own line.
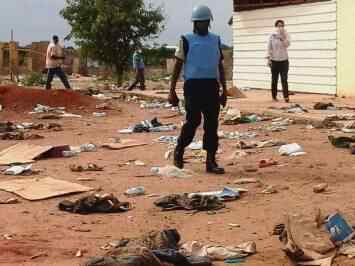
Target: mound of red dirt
20 99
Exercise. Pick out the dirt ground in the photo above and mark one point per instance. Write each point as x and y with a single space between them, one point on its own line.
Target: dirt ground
42 235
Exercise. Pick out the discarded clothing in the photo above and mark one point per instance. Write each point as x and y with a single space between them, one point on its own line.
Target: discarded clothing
19 135
341 142
171 171
7 127
237 135
149 126
219 253
176 258
291 150
145 257
106 203
294 108
153 240
323 106
184 202
227 194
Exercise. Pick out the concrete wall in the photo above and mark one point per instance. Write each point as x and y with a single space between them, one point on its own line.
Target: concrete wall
346 48
313 52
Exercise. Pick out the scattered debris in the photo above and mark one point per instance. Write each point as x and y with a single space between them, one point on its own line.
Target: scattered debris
219 253
171 171
148 126
106 203
139 163
184 202
242 181
88 147
9 201
90 167
320 188
41 188
269 190
232 116
122 146
71 153
237 135
294 108
19 135
341 142
99 114
50 117
293 149
339 229
19 170
135 191
267 162
324 106
227 194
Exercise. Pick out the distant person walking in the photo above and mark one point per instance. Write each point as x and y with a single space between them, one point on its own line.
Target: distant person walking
54 61
138 66
277 56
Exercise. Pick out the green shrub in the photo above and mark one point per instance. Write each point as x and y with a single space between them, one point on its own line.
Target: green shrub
34 79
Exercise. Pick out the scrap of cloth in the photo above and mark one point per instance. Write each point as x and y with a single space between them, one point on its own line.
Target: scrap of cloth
95 204
186 202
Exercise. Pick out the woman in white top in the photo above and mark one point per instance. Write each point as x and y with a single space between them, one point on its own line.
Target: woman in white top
277 56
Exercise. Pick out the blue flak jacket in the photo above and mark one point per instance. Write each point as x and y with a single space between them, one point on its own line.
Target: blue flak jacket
203 57
138 62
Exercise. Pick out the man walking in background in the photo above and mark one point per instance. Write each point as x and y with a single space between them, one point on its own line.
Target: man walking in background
54 61
138 65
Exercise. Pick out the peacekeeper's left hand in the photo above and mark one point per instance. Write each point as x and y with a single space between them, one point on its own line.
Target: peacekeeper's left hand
223 98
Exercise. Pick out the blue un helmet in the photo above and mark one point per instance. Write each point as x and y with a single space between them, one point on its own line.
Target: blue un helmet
201 13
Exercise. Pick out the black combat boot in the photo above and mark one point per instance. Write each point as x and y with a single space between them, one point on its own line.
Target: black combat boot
211 164
179 157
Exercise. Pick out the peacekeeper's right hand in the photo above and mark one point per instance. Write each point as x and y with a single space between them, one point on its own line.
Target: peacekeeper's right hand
173 99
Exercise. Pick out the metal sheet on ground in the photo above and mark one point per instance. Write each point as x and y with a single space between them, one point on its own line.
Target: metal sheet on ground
41 188
22 153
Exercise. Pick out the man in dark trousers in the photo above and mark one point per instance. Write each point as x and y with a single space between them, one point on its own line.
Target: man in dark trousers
138 65
54 61
201 55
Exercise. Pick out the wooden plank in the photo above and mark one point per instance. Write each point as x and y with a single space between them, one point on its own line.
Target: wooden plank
39 189
286 11
22 153
293 20
314 27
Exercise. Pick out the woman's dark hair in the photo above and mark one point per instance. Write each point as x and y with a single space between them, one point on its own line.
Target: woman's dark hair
279 21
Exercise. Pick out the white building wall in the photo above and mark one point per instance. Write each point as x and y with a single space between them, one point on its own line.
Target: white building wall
313 51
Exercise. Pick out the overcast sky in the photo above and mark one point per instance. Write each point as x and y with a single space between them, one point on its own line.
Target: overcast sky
36 20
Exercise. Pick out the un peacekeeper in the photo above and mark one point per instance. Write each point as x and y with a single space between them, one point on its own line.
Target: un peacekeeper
201 56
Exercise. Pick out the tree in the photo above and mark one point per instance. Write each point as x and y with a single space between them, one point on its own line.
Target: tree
111 30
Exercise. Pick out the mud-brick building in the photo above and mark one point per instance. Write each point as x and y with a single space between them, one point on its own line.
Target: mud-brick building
32 58
322 54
